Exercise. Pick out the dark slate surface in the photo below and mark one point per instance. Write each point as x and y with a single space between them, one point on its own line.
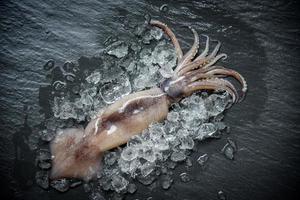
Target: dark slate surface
261 39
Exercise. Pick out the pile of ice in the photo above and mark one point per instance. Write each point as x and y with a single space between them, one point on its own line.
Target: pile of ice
157 150
129 67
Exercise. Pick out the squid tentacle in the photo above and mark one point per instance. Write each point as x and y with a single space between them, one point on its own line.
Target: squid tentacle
202 61
205 51
191 53
215 51
213 60
218 72
192 66
233 73
202 70
214 84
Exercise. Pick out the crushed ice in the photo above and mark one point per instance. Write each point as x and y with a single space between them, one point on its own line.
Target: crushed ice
150 157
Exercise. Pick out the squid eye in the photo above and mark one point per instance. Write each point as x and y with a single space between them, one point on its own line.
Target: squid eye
165 83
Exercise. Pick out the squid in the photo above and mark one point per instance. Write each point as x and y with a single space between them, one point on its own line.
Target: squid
77 152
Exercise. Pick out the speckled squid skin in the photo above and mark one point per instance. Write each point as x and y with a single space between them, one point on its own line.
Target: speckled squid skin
127 117
78 152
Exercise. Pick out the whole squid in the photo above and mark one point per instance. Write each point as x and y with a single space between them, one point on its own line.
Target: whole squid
77 152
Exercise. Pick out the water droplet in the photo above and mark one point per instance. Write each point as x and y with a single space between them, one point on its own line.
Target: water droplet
184 177
59 85
202 159
164 8
221 195
49 65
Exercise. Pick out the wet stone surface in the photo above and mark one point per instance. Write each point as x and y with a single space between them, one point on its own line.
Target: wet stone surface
41 95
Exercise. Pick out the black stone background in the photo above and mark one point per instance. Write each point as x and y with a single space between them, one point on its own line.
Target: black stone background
262 44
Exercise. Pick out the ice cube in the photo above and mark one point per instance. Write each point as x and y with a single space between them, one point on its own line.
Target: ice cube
86 99
42 179
61 185
110 158
149 153
135 47
43 155
202 159
147 168
135 140
161 144
44 165
119 183
189 118
129 153
133 167
156 131
63 108
87 95
220 125
186 142
206 130
131 68
139 30
232 144
147 38
164 55
146 180
178 156
228 151
116 89
105 182
172 140
173 116
124 165
166 72
47 135
188 162
96 196
156 33
216 104
118 49
184 177
166 181
171 127
131 188
94 78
